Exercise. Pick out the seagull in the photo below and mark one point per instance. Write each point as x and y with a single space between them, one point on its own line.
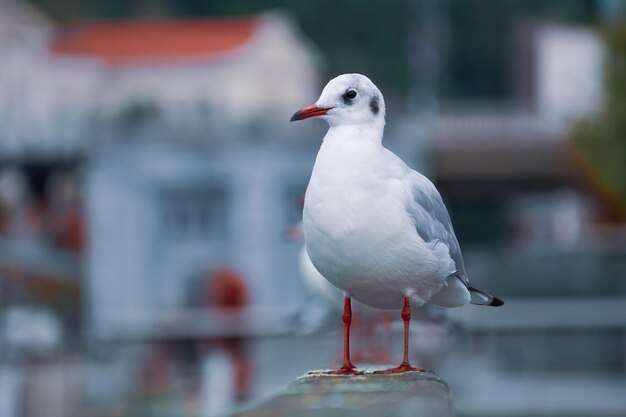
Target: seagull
374 227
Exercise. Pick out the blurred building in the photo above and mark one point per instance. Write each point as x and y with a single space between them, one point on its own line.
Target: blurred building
524 139
535 231
490 155
193 76
163 116
161 143
186 76
190 169
33 271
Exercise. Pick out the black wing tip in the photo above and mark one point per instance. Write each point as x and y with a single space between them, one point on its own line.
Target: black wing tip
496 302
484 298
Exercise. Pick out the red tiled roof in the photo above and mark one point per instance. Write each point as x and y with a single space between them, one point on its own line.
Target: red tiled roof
129 41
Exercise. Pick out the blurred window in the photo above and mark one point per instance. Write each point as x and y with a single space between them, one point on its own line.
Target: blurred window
188 213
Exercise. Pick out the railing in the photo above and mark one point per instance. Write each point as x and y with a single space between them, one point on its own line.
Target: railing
415 394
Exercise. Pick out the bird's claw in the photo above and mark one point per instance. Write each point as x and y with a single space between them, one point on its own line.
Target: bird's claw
344 370
402 368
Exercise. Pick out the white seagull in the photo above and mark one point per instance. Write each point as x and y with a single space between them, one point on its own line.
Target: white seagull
374 227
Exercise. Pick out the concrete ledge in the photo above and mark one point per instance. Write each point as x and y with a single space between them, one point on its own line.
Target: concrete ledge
412 394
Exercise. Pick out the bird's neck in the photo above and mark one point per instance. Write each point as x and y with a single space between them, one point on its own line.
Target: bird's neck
369 133
348 148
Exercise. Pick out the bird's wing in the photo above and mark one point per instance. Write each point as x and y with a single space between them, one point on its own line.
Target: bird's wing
432 221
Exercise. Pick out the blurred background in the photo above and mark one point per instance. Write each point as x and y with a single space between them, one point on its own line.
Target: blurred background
151 186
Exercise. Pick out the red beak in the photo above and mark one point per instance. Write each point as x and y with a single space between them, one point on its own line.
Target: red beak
310 111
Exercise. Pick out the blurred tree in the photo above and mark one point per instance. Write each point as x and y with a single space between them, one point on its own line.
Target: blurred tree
600 140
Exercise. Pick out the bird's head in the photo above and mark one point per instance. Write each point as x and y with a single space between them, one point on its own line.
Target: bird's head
349 99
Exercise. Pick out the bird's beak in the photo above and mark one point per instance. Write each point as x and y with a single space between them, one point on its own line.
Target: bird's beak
310 111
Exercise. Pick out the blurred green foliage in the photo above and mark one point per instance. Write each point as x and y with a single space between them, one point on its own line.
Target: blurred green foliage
600 140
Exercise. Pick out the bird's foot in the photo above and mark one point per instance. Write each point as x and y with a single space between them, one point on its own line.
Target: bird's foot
344 370
402 368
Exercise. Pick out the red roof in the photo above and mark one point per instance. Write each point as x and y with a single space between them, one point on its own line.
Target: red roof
129 41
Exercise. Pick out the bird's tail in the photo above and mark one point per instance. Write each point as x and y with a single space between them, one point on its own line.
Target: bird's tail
481 298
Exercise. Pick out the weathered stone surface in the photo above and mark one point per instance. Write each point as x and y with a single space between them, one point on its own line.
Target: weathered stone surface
412 394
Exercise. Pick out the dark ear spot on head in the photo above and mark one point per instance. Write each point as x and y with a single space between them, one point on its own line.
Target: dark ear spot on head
374 105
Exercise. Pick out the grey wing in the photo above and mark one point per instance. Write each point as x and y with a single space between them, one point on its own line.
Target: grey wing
432 220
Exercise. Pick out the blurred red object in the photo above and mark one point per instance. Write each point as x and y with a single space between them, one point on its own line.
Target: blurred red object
73 231
226 289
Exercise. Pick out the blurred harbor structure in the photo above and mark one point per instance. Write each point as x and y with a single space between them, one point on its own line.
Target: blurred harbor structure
169 145
183 156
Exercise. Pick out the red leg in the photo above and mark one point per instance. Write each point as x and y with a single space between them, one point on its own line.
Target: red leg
348 367
405 366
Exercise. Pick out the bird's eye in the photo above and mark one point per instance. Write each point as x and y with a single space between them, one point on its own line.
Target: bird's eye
350 94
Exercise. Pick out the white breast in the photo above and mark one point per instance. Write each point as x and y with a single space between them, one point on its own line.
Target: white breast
358 233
